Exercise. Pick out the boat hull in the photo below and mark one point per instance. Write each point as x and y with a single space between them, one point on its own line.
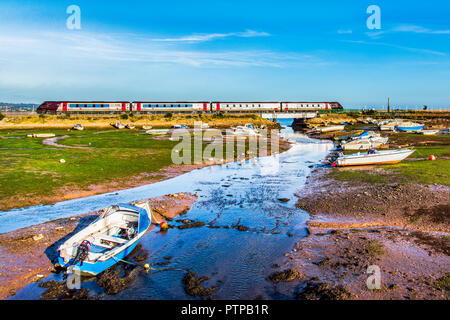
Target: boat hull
372 159
406 129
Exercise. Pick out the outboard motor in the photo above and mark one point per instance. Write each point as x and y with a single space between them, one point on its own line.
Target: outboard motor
82 252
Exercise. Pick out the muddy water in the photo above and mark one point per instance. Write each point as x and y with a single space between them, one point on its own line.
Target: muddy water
235 194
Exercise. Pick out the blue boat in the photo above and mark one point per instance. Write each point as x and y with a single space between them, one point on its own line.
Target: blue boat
409 126
107 240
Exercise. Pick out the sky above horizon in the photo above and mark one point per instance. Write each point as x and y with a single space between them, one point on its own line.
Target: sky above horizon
227 50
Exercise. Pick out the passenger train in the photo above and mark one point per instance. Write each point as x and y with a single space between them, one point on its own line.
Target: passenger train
142 107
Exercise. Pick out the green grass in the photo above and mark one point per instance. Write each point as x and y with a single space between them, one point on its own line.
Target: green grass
421 171
31 171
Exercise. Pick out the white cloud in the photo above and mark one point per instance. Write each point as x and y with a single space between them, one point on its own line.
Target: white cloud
427 51
212 36
418 29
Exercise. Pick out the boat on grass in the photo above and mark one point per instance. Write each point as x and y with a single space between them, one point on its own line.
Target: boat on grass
373 157
78 127
157 131
118 125
430 132
41 135
107 240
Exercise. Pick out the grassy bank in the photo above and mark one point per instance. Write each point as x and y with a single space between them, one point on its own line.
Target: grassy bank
99 161
104 121
417 168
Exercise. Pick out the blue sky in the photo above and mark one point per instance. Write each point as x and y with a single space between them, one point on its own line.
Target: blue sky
227 50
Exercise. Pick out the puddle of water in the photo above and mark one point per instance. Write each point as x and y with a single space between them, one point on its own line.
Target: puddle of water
237 261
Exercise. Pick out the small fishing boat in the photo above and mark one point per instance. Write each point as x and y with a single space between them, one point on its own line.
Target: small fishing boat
41 135
146 127
242 131
409 126
388 125
373 157
180 126
157 131
364 141
330 128
130 126
107 240
118 125
78 127
430 132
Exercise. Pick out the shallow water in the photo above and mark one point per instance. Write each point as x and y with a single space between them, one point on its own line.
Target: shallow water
236 261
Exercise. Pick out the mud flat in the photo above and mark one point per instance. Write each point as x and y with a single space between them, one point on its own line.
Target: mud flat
401 228
27 254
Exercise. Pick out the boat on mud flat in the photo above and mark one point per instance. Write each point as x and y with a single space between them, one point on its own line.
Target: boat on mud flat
118 125
130 126
372 157
180 126
78 127
157 131
388 125
409 126
364 141
146 127
330 128
107 240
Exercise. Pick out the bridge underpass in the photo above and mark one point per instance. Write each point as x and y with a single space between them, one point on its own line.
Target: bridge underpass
299 118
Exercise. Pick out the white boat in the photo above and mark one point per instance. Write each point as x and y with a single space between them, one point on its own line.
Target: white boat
373 157
365 141
78 127
157 131
130 126
330 128
429 132
147 127
388 125
364 144
118 125
107 240
41 135
246 130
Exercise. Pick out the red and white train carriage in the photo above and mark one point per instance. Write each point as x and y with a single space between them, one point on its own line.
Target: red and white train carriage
164 107
84 107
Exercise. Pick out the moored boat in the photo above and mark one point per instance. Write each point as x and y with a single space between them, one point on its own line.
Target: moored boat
118 125
130 126
41 135
107 240
330 128
78 127
409 126
430 132
157 131
373 157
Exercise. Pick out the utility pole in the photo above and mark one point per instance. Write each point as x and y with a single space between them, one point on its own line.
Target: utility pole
388 106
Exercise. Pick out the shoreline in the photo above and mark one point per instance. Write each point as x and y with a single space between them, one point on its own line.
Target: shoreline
350 231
